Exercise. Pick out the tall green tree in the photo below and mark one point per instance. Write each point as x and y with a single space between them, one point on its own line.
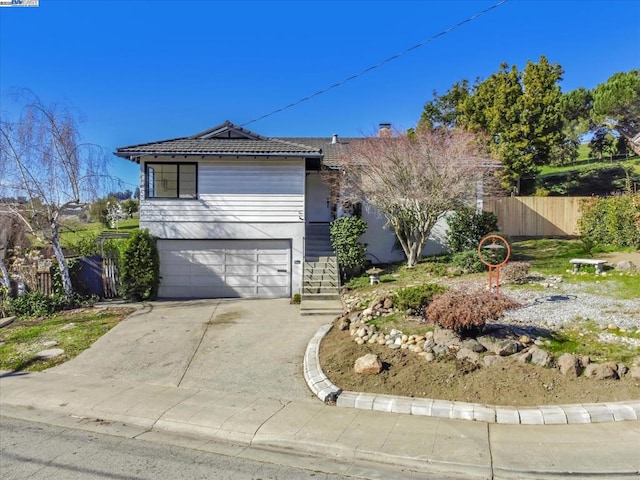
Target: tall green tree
616 105
575 107
443 110
518 114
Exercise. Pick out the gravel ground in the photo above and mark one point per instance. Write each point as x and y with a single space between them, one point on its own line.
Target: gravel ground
562 303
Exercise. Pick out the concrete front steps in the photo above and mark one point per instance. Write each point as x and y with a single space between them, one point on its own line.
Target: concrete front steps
321 277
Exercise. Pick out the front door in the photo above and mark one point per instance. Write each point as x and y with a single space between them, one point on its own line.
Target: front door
317 201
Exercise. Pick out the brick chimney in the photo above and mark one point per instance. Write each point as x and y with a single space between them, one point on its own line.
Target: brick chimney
385 130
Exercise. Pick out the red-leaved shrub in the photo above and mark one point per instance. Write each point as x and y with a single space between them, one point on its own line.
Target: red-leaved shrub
467 312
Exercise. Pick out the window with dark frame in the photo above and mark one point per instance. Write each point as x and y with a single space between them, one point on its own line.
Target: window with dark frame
171 180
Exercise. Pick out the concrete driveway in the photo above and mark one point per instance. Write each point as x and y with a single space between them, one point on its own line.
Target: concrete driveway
252 347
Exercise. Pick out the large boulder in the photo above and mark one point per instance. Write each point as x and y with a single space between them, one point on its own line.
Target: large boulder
540 357
468 355
626 266
569 365
600 371
369 364
499 346
446 337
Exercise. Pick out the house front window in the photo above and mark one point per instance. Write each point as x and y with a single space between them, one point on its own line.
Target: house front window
171 180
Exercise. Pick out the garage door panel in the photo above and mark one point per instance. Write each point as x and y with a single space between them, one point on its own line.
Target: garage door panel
241 280
273 281
240 270
209 258
210 281
225 268
273 269
272 257
206 270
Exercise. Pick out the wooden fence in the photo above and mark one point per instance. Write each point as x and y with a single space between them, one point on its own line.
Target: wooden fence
107 271
536 216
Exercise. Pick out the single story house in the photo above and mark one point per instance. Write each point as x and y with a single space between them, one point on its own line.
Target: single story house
237 214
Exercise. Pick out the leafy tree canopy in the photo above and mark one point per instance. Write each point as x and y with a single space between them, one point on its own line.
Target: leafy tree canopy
616 105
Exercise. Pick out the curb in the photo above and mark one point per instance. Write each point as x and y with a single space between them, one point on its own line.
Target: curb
572 414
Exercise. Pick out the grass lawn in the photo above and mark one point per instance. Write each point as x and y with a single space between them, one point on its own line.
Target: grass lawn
589 163
73 331
547 256
73 232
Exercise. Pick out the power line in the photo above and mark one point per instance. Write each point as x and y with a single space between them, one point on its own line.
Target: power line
378 65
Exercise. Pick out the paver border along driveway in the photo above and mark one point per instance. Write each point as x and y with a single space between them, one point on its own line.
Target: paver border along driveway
252 347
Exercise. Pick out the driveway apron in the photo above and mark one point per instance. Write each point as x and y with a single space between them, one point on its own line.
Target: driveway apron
252 347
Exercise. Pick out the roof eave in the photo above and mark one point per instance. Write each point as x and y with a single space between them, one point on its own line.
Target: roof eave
135 156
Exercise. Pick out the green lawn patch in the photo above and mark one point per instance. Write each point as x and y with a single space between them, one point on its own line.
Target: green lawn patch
585 338
72 331
73 232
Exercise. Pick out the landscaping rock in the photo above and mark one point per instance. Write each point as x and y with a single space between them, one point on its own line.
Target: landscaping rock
499 346
541 357
49 344
622 370
569 365
445 336
49 353
626 266
473 345
440 349
369 364
635 372
468 355
600 371
524 357
525 340
343 324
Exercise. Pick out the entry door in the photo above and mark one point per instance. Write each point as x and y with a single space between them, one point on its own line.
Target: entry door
317 200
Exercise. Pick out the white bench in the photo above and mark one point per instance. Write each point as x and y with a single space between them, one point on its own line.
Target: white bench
599 264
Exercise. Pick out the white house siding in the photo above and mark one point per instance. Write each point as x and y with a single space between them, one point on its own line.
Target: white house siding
380 239
243 199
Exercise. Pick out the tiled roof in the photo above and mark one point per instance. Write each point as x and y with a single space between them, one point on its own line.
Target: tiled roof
226 139
217 146
330 151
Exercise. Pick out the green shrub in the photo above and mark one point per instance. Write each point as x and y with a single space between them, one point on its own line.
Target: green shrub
37 304
296 299
85 245
345 233
468 261
612 221
467 227
467 313
416 298
140 267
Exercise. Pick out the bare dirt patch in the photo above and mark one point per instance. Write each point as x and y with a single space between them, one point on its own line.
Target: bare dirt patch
506 383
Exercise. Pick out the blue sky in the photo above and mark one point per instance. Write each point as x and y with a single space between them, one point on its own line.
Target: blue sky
141 71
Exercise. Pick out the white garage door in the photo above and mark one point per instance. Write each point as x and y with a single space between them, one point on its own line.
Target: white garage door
225 268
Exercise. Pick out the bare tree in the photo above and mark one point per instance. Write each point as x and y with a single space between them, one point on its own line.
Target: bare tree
43 158
413 180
